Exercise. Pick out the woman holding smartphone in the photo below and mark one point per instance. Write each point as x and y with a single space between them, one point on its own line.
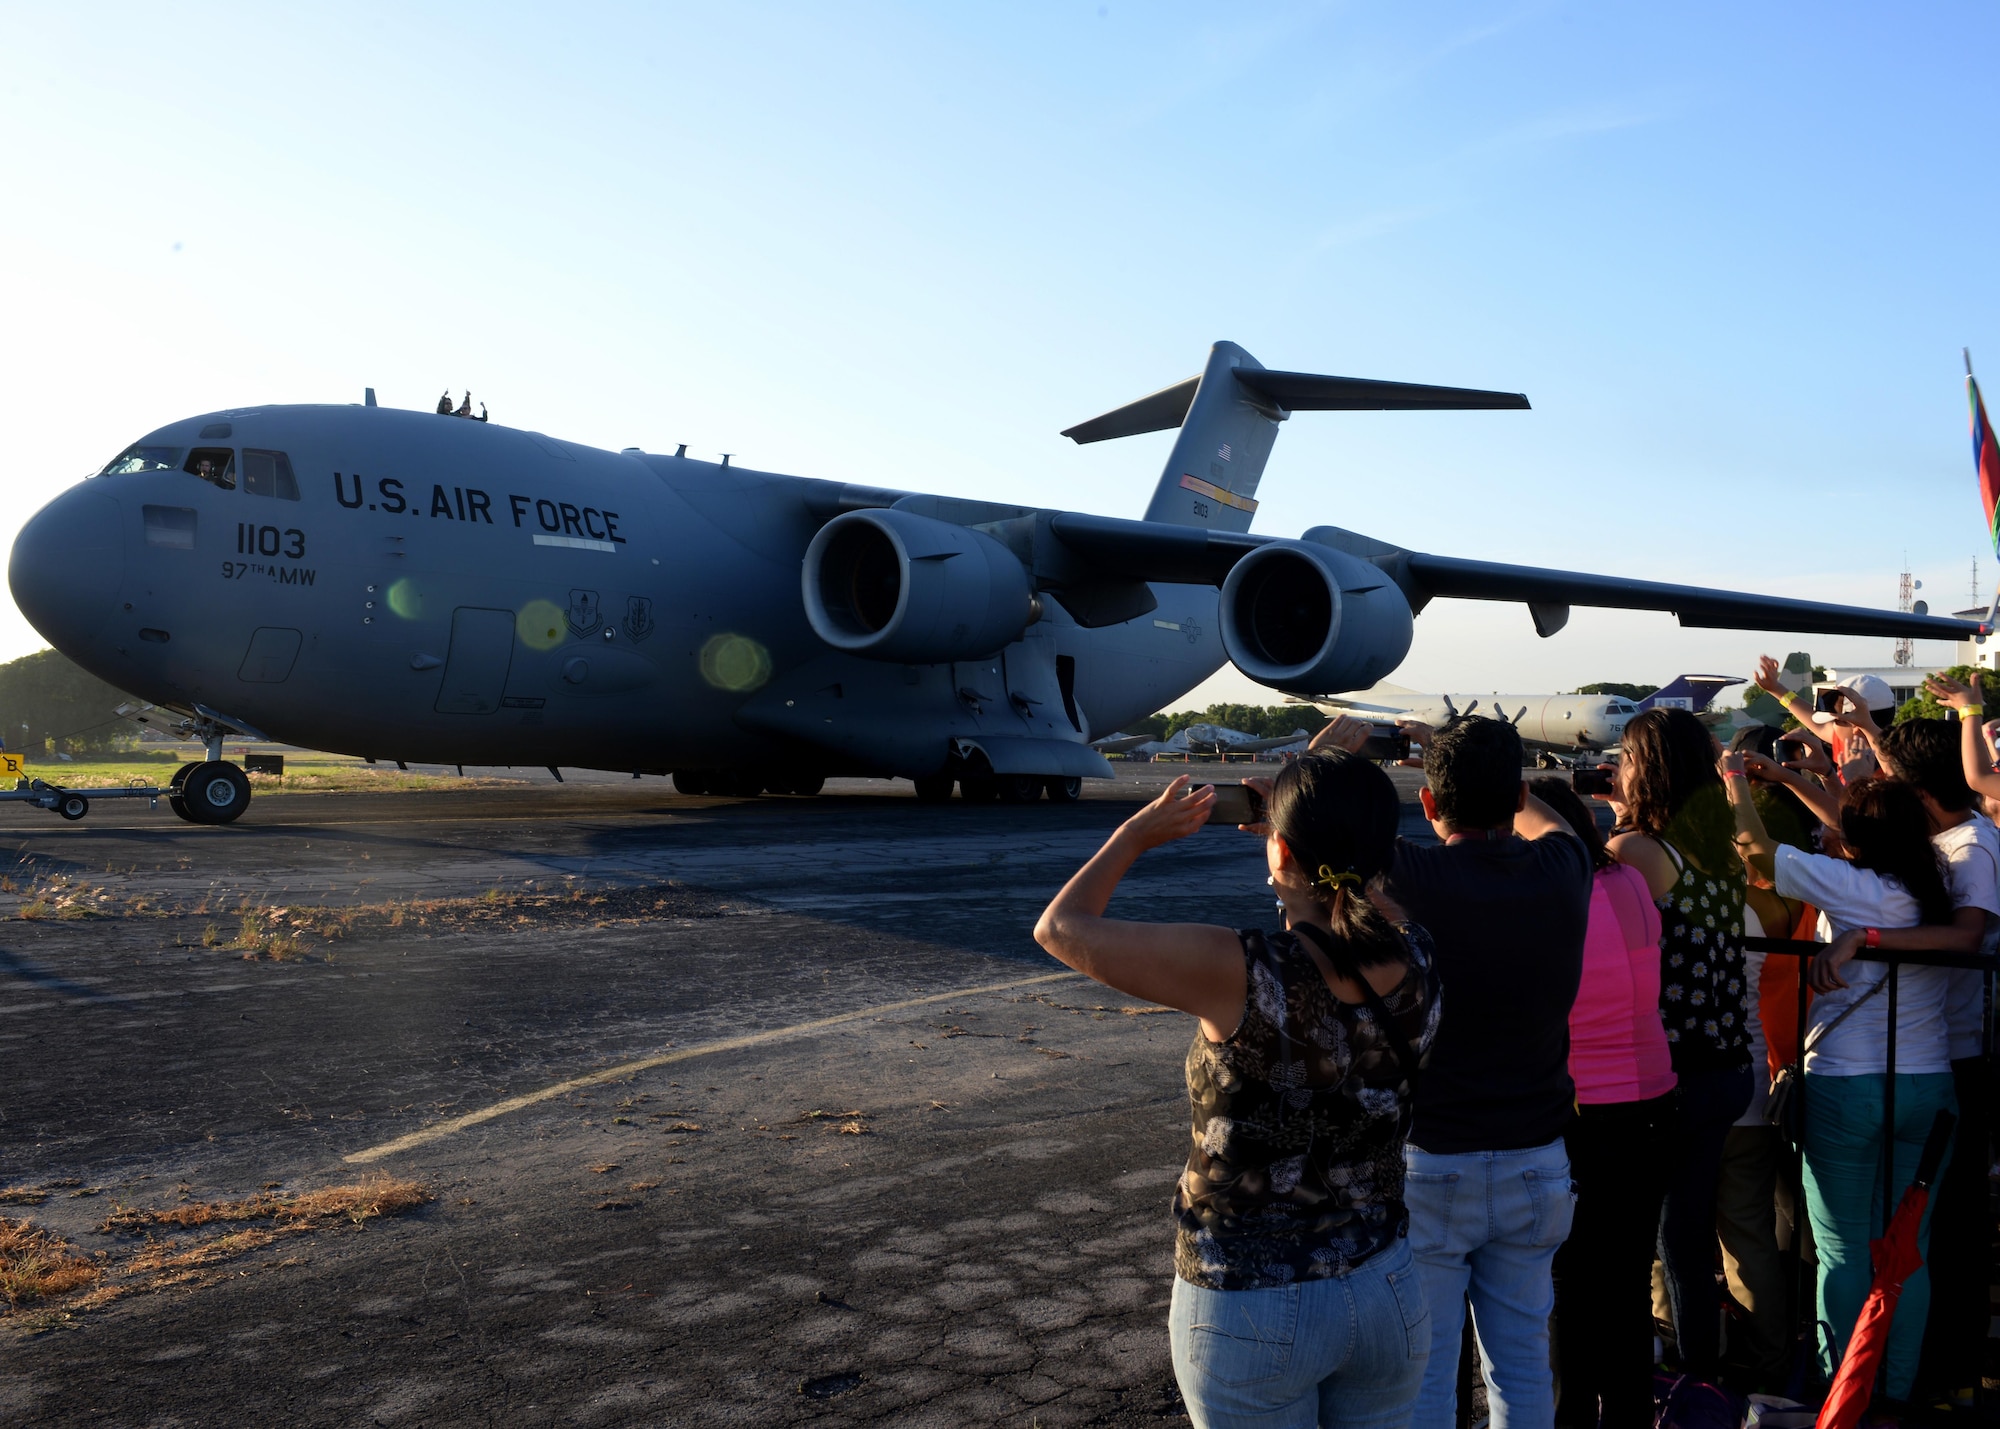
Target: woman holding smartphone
1296 1299
1676 830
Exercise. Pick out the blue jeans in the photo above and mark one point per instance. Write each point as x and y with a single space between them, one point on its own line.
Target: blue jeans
1843 1146
1348 1350
1489 1223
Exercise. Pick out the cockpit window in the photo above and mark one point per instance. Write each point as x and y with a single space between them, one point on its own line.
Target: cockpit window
215 465
142 458
269 474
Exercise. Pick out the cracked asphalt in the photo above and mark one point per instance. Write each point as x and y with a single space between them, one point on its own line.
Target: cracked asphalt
948 1208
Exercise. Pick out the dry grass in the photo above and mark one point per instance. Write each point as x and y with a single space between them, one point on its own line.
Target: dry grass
36 1265
381 1196
21 1196
44 1281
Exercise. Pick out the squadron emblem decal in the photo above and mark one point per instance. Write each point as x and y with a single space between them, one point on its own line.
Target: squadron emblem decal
584 613
638 617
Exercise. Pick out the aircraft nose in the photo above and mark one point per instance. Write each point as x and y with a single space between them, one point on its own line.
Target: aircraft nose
66 567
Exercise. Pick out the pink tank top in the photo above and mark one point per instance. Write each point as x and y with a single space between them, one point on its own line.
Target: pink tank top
1617 1045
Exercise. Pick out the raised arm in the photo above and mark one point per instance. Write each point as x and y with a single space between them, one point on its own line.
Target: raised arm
1537 820
1196 967
1824 802
1753 841
1767 680
1970 702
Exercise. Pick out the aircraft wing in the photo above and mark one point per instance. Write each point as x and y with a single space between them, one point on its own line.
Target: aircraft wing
1155 551
1694 606
1120 743
1344 703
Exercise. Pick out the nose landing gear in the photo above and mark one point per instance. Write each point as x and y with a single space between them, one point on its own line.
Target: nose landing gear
211 792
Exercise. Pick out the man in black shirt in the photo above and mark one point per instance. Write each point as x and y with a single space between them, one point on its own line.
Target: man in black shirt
1505 898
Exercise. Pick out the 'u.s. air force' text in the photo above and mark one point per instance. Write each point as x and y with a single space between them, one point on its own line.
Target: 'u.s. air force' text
469 503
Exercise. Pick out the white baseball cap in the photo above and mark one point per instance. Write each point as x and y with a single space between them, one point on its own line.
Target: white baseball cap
1872 690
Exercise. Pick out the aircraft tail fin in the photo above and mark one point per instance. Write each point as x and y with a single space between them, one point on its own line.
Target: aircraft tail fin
1229 418
1693 693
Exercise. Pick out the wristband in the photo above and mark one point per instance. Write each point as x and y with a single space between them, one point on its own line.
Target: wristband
1872 937
1734 774
1973 710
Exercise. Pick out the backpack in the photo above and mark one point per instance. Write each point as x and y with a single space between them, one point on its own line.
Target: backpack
1680 1401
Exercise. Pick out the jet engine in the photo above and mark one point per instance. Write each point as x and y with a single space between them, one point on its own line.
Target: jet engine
893 585
1309 619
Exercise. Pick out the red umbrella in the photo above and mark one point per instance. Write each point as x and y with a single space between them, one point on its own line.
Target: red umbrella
1894 1257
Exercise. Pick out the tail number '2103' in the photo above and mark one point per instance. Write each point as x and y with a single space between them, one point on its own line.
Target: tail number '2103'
269 541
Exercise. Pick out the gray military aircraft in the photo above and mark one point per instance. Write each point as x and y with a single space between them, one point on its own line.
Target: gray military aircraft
411 586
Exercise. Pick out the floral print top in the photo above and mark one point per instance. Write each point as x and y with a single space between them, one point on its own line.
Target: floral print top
1702 982
1296 1172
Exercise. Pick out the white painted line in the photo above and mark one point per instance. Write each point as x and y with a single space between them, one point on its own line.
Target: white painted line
576 543
644 1064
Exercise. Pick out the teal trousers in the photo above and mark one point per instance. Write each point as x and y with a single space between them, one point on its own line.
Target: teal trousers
1843 1154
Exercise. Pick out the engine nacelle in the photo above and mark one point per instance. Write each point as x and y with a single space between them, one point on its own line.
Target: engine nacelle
1310 620
892 585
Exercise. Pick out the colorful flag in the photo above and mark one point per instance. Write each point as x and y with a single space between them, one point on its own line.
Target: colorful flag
1986 461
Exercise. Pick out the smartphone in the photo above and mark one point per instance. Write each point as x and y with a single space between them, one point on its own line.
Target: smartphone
1386 742
1601 779
1830 701
1236 804
1789 751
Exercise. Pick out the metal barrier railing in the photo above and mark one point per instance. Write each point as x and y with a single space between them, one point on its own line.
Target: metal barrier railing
1797 948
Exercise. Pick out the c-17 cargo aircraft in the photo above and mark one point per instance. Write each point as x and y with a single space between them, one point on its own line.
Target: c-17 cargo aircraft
411 586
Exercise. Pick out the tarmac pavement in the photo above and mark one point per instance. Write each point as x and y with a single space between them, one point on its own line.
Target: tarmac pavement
730 1112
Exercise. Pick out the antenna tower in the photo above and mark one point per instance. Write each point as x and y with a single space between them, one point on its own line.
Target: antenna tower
1905 599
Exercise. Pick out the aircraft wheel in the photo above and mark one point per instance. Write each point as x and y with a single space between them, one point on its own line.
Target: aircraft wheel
1020 788
739 786
175 801
215 793
978 788
73 806
687 781
1063 791
934 789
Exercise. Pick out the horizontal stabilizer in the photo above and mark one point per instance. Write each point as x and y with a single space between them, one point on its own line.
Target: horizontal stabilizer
1296 392
1309 392
1165 408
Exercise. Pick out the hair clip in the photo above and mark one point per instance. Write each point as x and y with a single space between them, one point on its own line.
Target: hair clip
1334 882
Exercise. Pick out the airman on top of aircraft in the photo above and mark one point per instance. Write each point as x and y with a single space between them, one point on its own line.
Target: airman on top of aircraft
359 579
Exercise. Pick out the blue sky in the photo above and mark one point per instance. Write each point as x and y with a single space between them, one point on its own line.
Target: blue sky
1730 253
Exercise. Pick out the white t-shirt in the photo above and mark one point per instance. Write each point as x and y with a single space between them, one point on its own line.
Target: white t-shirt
1850 897
1972 870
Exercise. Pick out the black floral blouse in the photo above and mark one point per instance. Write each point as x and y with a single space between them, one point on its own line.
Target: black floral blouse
1701 970
1296 1172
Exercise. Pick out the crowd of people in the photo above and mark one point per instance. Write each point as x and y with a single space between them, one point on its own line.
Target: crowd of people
1531 1071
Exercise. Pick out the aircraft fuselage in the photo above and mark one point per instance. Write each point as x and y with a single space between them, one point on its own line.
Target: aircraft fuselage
404 585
